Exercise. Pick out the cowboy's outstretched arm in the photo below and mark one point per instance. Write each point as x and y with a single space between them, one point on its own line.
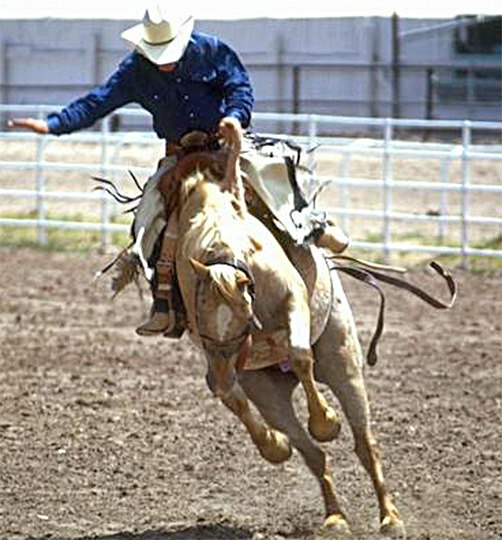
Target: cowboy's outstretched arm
85 111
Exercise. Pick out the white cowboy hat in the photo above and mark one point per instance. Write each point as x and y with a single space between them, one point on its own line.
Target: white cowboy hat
162 37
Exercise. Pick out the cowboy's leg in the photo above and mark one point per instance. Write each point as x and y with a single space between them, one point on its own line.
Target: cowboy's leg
149 218
163 317
149 221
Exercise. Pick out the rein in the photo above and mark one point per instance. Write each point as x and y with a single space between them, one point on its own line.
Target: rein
371 276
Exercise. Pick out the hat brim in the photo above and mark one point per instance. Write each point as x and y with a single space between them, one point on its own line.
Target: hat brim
160 54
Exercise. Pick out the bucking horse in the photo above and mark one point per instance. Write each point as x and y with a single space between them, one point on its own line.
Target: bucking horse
268 315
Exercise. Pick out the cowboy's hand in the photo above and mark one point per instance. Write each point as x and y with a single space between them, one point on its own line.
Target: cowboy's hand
38 126
230 130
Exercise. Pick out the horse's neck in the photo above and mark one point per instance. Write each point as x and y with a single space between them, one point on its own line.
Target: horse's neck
210 224
206 197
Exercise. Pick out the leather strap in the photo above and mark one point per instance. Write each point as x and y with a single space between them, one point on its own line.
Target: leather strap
371 277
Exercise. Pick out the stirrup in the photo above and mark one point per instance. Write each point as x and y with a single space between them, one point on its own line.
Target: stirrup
332 237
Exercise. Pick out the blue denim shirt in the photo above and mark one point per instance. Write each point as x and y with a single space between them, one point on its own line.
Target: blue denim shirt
209 82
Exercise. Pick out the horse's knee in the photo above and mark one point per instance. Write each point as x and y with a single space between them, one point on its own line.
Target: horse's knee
302 362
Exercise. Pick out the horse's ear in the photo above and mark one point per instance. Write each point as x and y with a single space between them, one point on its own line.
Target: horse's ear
200 269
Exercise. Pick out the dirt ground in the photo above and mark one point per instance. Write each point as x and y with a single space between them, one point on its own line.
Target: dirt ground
107 435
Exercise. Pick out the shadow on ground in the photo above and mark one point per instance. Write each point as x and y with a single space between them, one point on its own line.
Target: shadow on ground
198 532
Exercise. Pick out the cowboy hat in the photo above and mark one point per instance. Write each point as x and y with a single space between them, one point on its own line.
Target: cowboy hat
161 37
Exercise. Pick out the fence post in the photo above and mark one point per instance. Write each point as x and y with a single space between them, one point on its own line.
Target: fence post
466 141
40 187
396 67
105 207
443 198
343 174
429 100
387 189
312 163
470 93
3 81
296 98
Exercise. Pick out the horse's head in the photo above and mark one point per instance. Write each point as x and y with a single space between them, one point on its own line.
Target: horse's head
225 319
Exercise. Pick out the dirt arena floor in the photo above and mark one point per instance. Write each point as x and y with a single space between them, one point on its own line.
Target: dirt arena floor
107 435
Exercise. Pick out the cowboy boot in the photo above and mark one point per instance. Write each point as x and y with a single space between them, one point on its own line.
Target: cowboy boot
167 316
162 316
178 320
331 236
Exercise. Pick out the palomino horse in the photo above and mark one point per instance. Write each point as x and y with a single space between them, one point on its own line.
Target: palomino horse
237 283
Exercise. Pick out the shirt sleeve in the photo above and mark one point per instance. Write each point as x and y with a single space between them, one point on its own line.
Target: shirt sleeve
236 86
85 111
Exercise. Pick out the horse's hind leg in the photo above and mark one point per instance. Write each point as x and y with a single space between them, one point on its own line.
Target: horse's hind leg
272 445
338 364
324 424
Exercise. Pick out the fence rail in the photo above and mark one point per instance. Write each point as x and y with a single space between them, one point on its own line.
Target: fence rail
386 149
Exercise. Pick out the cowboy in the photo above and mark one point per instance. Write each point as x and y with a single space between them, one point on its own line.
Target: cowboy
188 81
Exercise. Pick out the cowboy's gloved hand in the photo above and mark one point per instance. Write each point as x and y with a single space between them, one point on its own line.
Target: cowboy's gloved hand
230 130
38 126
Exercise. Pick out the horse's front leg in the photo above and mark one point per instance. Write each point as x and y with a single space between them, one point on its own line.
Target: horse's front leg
324 424
273 445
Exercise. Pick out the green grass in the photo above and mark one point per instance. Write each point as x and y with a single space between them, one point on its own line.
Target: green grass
477 264
61 239
85 241
58 239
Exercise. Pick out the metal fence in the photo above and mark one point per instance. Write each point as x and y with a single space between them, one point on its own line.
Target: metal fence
453 186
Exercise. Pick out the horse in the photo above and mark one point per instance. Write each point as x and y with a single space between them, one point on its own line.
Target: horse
237 284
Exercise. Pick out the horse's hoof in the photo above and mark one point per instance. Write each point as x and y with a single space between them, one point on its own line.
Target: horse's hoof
327 428
335 526
393 527
276 447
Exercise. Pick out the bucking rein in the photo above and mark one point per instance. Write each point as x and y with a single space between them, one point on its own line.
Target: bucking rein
362 270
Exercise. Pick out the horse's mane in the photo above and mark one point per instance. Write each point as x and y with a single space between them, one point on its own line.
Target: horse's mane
218 227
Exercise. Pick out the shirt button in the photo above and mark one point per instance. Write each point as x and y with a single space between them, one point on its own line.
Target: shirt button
156 96
192 115
178 79
185 97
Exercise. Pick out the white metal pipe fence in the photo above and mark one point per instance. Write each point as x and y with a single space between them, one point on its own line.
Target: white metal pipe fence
387 149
